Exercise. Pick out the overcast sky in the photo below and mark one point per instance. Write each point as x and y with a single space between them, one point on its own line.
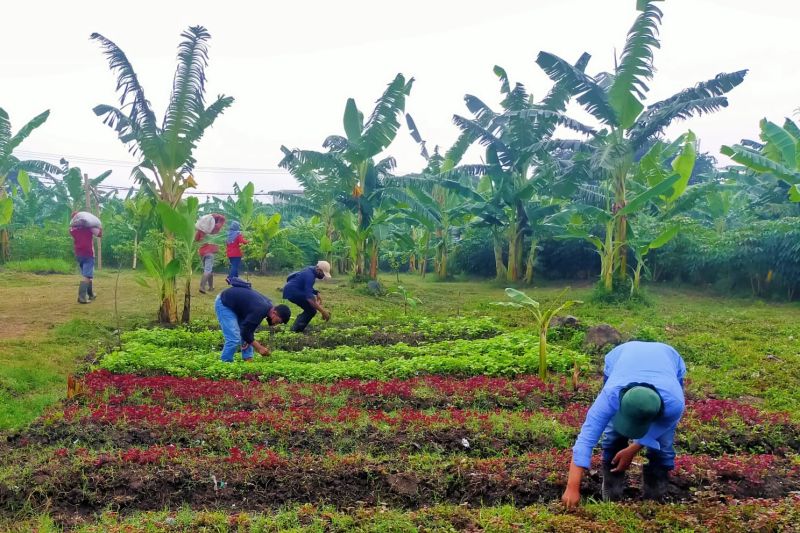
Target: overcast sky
292 65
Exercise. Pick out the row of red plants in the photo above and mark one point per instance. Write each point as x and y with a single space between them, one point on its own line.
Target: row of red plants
552 466
429 390
721 414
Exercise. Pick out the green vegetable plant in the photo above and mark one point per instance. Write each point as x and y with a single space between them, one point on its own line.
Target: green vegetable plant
407 298
541 317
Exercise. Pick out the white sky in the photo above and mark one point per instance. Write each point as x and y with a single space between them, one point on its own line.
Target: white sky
292 65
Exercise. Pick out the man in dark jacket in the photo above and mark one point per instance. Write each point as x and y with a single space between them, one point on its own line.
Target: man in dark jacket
240 310
299 290
642 399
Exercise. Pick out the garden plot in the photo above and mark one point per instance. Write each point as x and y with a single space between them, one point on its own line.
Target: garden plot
453 419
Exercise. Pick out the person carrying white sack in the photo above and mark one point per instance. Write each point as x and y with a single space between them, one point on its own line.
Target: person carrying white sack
84 227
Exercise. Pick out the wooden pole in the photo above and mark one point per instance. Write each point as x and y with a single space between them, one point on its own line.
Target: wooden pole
88 196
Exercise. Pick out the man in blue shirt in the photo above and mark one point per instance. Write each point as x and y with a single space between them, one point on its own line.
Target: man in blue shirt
642 399
299 290
240 310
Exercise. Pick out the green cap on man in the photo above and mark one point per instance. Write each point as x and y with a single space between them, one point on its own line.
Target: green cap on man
638 407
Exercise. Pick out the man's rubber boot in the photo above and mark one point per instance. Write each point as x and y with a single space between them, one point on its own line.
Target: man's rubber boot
655 482
83 293
203 280
613 484
90 292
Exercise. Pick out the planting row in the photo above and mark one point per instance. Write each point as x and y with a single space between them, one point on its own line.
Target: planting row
411 331
710 426
731 516
510 354
64 480
423 392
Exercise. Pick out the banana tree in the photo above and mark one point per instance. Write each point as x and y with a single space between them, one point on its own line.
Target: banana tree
653 184
165 152
264 231
15 173
778 156
518 153
615 100
138 216
179 222
348 165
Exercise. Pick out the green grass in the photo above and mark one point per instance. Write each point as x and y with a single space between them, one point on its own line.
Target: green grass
41 266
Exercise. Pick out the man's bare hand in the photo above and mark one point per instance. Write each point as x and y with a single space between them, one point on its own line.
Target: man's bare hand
624 457
571 497
326 315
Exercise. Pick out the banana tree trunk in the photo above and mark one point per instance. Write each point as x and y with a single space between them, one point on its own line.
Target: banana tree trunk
186 315
412 263
373 260
443 265
499 265
607 259
515 245
531 261
543 352
622 249
135 249
5 248
168 312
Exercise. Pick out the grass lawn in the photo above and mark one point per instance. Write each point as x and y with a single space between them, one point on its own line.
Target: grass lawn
734 347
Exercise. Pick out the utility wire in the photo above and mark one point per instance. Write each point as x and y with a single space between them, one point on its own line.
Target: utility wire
119 162
118 188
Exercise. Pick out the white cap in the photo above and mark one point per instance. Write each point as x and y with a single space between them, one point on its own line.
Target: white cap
325 267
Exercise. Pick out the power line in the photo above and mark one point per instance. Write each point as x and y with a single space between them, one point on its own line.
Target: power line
118 188
121 163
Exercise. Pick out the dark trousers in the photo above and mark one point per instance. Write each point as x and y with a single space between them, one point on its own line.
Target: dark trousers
303 318
234 272
613 442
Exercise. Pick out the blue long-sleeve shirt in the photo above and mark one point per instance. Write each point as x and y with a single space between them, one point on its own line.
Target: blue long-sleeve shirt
300 284
250 307
635 362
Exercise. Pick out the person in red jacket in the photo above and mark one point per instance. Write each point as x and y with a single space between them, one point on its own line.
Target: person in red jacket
207 252
234 248
84 254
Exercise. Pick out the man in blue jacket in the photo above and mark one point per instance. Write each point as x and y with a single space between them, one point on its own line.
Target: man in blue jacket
240 310
299 290
642 399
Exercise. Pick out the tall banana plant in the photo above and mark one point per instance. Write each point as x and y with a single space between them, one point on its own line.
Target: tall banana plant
15 173
519 157
165 151
349 164
655 183
438 203
778 156
627 126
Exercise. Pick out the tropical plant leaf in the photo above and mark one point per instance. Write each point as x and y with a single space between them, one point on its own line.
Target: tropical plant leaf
779 143
521 298
654 192
759 163
636 66
24 181
25 131
6 210
381 127
172 269
589 94
352 121
683 165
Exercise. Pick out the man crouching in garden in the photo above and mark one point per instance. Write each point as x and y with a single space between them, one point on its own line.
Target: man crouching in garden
642 399
240 310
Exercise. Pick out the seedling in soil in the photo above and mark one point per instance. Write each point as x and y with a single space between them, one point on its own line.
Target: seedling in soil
541 317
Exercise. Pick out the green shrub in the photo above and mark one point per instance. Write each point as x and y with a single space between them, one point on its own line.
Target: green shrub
42 266
51 241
